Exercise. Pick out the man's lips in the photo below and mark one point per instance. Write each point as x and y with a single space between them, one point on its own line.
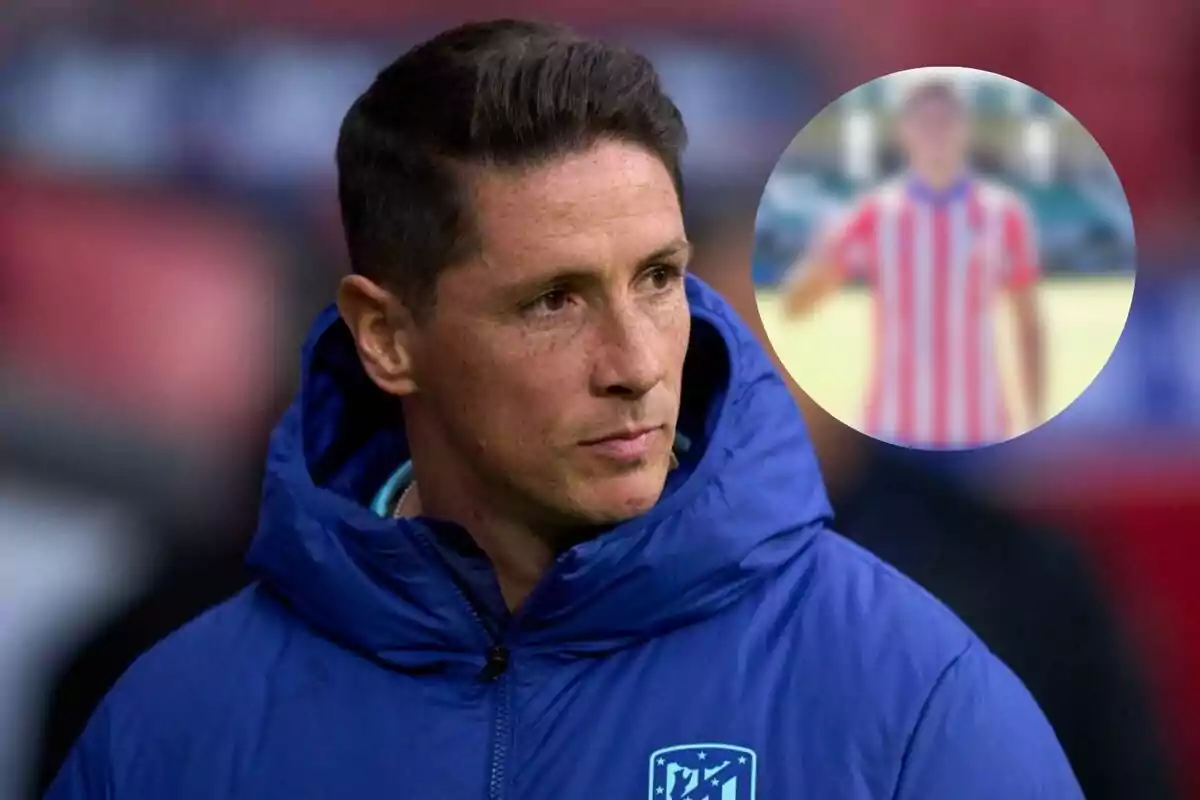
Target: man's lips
625 434
631 444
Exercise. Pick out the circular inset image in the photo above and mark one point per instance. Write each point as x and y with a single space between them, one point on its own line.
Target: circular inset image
944 258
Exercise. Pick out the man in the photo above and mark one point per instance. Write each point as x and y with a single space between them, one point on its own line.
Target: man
544 520
937 245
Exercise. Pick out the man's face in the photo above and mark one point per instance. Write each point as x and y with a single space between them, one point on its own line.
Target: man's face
552 362
935 134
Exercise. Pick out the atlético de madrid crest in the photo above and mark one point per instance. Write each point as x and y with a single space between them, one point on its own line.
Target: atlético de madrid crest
703 772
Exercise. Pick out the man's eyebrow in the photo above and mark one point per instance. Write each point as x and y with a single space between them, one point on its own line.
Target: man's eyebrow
668 250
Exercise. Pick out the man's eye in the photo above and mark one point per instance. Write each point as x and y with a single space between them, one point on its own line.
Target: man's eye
550 303
662 276
554 301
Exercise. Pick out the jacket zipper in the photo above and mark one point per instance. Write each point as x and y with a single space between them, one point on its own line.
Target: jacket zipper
497 669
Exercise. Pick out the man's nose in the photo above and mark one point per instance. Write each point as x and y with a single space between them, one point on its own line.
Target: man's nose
627 361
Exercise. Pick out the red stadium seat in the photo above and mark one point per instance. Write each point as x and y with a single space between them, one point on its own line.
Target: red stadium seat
136 305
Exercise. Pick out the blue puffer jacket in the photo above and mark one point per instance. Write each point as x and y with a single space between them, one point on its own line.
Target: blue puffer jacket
726 645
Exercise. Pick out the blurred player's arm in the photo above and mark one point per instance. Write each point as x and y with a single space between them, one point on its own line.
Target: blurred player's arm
827 263
1024 272
812 278
1031 346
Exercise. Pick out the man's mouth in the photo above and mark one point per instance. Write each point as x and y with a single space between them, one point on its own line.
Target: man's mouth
626 444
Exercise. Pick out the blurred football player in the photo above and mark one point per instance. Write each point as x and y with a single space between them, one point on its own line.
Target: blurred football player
937 245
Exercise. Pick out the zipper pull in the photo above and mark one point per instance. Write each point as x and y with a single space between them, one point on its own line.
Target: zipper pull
497 663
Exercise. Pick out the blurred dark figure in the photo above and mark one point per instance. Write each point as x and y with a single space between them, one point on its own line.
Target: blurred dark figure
191 577
169 400
1028 592
1031 595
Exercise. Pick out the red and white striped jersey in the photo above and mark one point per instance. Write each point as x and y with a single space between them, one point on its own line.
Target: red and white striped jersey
936 264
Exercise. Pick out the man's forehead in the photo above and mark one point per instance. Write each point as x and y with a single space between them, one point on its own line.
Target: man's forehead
612 202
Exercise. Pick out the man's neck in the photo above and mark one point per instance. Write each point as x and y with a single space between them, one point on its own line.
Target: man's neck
445 487
520 546
519 557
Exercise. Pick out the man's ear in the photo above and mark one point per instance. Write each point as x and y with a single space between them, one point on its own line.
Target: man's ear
382 329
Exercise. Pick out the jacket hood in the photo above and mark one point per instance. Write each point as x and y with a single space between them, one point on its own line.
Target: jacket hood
744 503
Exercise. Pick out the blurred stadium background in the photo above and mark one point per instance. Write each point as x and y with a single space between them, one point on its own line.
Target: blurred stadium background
1025 141
167 230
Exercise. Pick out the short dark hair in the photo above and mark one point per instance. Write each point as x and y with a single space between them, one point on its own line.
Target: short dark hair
936 91
505 93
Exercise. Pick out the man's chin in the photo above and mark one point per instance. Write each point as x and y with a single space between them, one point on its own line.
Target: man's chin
621 499
604 507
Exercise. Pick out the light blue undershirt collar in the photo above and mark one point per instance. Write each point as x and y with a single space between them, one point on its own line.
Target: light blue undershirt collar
385 499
